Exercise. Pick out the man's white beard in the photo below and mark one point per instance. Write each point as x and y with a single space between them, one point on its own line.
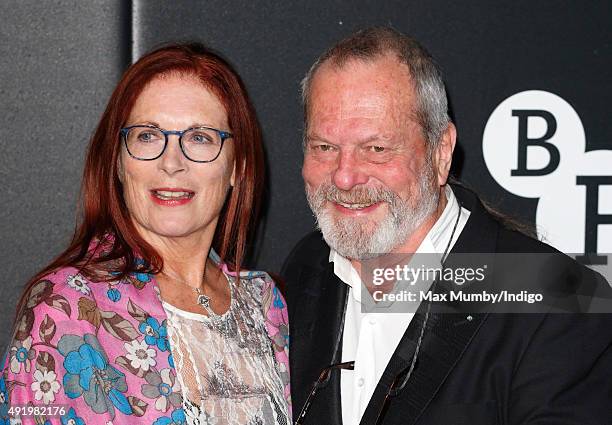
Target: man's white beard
360 238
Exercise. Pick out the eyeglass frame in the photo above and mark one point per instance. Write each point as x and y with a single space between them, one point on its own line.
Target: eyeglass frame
223 134
324 377
393 391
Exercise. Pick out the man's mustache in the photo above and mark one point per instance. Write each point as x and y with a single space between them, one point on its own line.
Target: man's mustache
356 195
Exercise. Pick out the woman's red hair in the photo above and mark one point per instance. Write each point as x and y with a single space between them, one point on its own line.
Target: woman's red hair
104 212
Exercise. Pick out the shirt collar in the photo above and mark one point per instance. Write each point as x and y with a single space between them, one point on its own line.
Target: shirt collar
442 229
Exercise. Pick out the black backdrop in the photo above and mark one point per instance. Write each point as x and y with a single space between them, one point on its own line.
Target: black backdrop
59 61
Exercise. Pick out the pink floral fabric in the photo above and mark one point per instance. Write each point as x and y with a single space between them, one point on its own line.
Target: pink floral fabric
98 352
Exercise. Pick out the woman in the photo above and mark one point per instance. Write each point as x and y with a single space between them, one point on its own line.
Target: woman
144 319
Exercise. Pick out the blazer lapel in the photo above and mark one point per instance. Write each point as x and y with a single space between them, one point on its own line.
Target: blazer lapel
315 336
447 334
446 337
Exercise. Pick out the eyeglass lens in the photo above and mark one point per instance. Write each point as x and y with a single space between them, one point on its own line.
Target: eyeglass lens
198 144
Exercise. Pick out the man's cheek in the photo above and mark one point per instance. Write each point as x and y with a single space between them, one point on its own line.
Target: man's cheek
312 178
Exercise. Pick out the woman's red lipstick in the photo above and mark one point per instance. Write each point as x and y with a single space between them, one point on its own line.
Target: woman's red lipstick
171 197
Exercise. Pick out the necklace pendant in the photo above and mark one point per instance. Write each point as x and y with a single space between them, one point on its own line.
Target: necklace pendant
204 300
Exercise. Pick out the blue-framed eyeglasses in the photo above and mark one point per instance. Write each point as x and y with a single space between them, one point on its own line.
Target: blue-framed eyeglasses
198 144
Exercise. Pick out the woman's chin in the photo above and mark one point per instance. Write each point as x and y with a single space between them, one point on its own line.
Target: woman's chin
172 231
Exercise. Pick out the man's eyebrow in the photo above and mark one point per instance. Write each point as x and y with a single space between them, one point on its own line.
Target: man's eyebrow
376 138
315 137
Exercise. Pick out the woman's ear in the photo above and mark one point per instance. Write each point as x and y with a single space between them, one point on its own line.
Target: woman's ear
233 176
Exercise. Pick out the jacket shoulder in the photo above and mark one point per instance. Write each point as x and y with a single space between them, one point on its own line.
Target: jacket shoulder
311 250
310 253
510 240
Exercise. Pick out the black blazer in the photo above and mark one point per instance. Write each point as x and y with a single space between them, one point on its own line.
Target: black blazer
493 369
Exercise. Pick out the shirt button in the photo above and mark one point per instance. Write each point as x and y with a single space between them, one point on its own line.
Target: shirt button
360 382
372 321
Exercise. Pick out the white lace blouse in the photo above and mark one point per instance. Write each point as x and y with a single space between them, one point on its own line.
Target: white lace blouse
225 364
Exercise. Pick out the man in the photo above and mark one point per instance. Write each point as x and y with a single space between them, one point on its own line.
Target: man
378 147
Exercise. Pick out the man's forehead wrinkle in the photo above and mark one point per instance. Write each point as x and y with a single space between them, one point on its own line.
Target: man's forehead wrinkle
364 107
372 102
375 95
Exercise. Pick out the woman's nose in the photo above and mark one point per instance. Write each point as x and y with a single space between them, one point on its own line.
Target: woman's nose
173 160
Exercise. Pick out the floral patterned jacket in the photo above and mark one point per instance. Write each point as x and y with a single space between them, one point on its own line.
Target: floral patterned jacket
98 353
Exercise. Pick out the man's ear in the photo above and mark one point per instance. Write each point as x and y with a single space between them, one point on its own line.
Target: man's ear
444 153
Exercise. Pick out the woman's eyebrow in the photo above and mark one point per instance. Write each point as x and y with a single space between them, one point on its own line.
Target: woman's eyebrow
138 122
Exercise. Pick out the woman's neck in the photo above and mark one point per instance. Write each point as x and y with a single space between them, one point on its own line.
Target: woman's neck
185 258
188 273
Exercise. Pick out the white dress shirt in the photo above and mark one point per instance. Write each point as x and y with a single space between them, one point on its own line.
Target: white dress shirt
371 338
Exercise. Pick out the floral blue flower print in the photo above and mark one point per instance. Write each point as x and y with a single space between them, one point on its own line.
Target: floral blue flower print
105 354
177 418
143 277
90 375
278 300
164 388
155 334
137 278
113 294
71 418
4 417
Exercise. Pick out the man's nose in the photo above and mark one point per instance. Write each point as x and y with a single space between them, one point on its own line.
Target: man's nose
349 171
172 160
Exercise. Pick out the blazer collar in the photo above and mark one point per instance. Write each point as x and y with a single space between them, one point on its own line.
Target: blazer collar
481 230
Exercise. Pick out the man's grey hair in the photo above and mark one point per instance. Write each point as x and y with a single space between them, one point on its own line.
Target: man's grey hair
372 43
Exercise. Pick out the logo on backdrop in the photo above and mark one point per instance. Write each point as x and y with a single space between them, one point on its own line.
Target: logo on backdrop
534 146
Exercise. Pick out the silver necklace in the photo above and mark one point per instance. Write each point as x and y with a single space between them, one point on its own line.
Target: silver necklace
203 300
217 321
